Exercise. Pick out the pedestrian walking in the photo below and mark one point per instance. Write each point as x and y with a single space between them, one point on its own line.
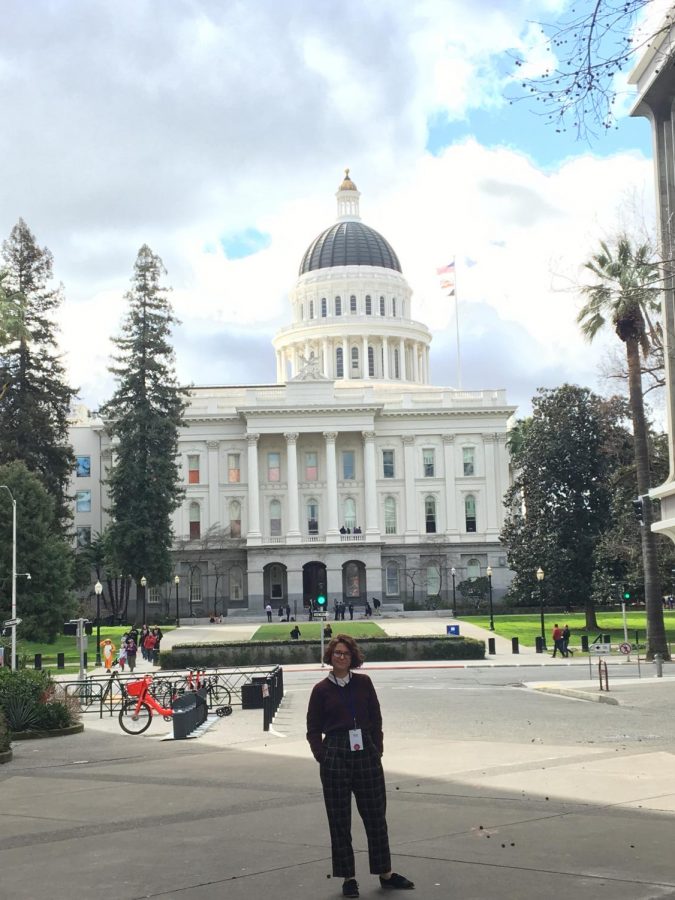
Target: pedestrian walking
344 707
268 610
149 643
145 631
557 637
288 613
108 652
157 631
132 648
122 655
376 606
566 634
369 610
295 632
280 613
351 611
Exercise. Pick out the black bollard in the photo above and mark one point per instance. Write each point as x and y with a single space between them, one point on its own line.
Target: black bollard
539 644
38 661
515 648
491 646
60 660
84 660
584 643
607 639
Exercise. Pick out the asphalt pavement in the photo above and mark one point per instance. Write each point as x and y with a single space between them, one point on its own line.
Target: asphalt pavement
486 812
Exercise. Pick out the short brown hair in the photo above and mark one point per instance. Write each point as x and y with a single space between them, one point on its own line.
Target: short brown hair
352 646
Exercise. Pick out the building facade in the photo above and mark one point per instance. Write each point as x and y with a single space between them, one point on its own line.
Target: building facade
352 475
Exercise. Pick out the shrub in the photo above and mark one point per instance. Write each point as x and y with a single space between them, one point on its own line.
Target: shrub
4 734
52 715
31 701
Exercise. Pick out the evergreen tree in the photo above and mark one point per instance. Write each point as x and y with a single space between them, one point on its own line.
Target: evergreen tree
144 415
34 396
45 600
558 505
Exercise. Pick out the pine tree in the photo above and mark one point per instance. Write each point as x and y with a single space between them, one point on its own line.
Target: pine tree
34 396
144 415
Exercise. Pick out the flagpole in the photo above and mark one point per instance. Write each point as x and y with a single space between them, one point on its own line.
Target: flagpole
459 361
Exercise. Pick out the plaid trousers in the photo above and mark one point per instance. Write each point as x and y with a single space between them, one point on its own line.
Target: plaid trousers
344 772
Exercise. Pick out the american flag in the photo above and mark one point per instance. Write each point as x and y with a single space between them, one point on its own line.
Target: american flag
446 270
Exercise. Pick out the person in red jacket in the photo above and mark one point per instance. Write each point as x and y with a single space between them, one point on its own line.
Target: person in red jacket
344 707
557 637
149 643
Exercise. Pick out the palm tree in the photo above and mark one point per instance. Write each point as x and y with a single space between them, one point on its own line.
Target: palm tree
626 294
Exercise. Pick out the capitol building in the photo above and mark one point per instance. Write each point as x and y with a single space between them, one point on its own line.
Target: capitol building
353 475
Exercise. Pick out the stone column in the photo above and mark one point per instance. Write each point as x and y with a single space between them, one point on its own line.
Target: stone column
401 359
214 483
253 536
370 486
416 363
326 358
490 486
293 533
332 531
410 493
502 481
452 524
346 361
294 365
364 367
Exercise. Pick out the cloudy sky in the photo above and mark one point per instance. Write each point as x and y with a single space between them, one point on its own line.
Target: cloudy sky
217 132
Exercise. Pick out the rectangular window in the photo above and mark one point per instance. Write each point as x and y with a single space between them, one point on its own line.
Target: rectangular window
381 306
154 596
274 467
338 306
469 459
275 527
193 469
311 466
83 501
352 304
195 530
324 308
348 465
233 469
83 466
388 463
428 458
369 305
392 581
83 536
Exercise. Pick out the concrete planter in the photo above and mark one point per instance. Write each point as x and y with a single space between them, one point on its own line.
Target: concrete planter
78 728
5 756
258 653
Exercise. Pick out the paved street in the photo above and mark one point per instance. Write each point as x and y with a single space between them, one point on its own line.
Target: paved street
496 790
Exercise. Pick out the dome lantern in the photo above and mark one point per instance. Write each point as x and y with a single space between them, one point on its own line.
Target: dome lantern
348 200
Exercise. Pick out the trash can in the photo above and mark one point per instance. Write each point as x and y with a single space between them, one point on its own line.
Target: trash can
252 696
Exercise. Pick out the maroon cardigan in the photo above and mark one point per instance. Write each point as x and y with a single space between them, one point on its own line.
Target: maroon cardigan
328 712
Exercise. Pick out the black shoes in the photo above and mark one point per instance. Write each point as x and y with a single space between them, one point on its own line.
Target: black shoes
350 888
396 882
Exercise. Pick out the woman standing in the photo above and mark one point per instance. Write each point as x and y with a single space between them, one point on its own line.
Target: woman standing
344 707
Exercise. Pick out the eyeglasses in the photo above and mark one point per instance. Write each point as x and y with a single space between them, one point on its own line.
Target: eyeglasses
341 653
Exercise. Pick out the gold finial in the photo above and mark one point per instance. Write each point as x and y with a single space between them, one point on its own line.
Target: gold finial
348 184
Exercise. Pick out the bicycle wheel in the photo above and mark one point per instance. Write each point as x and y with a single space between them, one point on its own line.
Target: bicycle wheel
133 722
220 693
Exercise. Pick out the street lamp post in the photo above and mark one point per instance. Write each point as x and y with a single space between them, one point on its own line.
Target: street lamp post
144 581
98 589
176 581
540 579
454 595
488 572
11 495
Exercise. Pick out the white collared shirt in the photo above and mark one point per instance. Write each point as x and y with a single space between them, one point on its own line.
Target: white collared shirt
342 682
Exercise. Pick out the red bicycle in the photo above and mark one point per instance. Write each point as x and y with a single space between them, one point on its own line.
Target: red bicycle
136 713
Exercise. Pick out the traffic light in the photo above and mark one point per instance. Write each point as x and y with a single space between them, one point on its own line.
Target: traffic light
321 597
638 509
627 595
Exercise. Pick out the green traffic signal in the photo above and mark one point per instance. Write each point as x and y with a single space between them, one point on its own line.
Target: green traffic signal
627 595
321 599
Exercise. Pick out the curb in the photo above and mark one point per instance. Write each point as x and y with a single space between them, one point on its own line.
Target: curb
576 694
6 756
55 732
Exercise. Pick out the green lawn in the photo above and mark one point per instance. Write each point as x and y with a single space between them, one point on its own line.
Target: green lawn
68 645
311 631
527 627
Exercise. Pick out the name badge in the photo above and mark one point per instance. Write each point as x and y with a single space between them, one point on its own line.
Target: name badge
355 739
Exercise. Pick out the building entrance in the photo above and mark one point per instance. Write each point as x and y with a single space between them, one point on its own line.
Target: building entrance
313 582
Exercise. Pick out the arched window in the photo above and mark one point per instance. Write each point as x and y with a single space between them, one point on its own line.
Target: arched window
473 569
352 304
339 363
324 308
350 514
338 306
235 518
312 517
371 361
403 309
275 518
430 515
311 309
276 582
393 306
236 583
433 580
382 306
470 512
355 358
195 522
352 582
369 305
195 586
389 515
396 365
392 580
